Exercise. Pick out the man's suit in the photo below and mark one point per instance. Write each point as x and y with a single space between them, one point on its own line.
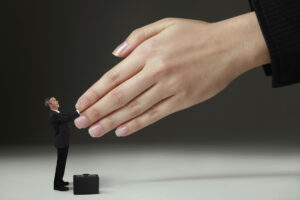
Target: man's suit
60 122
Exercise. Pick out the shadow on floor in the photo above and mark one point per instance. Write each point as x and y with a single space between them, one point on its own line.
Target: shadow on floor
218 176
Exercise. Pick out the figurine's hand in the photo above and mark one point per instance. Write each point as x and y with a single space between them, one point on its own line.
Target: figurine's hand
79 107
173 64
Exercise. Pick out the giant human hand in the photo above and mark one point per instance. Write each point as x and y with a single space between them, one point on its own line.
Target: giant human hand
170 65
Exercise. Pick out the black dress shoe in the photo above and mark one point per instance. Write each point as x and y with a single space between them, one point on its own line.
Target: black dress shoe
64 183
61 188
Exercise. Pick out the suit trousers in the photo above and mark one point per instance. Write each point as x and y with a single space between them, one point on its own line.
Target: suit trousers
62 154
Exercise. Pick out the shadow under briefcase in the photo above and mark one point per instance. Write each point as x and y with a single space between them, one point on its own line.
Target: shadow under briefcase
86 184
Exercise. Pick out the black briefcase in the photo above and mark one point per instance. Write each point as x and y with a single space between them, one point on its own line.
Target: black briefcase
86 184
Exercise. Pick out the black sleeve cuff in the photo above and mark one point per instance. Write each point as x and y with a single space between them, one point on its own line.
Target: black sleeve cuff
280 24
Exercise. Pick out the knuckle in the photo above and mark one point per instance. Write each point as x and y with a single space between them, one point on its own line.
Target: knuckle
94 114
153 115
136 125
167 19
149 47
113 77
164 65
137 34
92 94
109 123
162 68
118 96
174 84
135 108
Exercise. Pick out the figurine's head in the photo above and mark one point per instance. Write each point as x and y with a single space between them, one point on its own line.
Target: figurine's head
51 103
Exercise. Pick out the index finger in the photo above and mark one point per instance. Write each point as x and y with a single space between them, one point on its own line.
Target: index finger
118 74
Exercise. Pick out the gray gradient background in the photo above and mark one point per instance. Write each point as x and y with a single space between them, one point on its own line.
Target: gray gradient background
241 144
60 48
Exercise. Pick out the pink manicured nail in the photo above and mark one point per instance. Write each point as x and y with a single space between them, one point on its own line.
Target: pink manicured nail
81 122
122 131
96 131
82 104
121 49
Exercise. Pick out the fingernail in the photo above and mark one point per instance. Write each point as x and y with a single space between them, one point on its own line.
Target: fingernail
96 131
82 103
81 122
122 131
121 49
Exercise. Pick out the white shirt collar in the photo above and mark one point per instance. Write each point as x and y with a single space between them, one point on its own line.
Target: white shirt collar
56 111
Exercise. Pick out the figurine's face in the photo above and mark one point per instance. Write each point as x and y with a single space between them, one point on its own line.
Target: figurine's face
54 103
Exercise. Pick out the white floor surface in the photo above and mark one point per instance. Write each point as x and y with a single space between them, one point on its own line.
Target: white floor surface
155 172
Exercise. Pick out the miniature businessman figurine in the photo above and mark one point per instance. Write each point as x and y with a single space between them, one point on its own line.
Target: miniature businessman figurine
60 122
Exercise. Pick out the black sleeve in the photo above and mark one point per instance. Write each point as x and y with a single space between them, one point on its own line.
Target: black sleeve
279 21
64 118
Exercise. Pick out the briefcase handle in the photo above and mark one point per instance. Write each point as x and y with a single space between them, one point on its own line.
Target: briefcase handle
85 174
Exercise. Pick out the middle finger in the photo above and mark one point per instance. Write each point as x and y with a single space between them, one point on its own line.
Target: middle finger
115 99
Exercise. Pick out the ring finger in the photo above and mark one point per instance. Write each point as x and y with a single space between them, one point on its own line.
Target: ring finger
134 108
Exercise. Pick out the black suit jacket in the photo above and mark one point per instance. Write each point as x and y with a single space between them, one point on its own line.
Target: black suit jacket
60 122
280 24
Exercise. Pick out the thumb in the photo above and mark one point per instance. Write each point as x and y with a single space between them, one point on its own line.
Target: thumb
140 35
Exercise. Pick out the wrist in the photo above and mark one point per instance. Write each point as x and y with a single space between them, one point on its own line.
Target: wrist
245 41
